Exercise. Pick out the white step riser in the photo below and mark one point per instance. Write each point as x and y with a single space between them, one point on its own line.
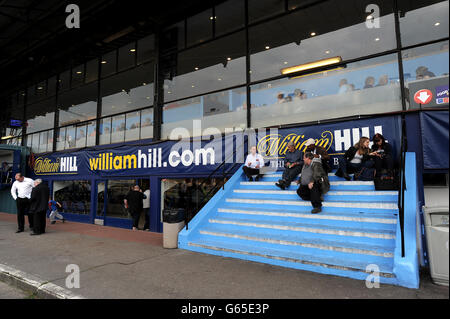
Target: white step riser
334 193
311 216
291 243
307 229
305 262
362 205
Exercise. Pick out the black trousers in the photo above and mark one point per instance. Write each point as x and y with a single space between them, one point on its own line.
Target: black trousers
39 222
147 218
291 174
249 172
23 206
312 195
385 162
135 215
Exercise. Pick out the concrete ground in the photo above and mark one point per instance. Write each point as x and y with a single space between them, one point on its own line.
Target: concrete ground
120 263
11 292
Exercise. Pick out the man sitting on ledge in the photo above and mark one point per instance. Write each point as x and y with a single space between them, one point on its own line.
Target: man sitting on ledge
292 166
313 182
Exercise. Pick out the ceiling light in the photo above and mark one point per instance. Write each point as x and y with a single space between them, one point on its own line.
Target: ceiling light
313 34
169 92
267 47
40 88
132 50
228 59
196 68
377 39
79 72
327 51
103 62
285 62
311 65
193 86
369 17
437 23
219 79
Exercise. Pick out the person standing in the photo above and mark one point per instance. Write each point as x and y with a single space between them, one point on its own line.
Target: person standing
253 164
39 206
53 206
21 192
313 182
146 206
133 201
292 166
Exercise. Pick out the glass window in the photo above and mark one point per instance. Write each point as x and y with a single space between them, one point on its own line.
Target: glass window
118 128
426 67
92 71
78 105
61 139
221 110
46 141
213 66
91 133
188 193
105 131
132 126
81 136
365 87
229 16
109 64
174 37
127 56
117 190
40 115
300 37
261 9
146 49
29 140
74 196
147 123
128 90
199 27
421 22
70 137
100 198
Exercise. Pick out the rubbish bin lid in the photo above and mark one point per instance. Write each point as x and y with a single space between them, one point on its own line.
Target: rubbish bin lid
435 209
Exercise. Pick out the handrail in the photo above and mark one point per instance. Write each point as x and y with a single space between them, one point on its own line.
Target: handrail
222 165
401 193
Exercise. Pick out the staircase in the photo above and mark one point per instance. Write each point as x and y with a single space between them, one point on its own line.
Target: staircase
257 221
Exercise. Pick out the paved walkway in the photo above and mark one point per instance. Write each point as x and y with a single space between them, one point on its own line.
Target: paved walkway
120 263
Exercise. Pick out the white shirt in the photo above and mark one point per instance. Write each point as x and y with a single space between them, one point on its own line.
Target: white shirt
22 189
254 160
357 159
146 202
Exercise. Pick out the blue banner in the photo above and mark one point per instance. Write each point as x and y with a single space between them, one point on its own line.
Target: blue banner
434 130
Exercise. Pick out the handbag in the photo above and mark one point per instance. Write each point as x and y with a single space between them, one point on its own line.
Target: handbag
365 174
388 181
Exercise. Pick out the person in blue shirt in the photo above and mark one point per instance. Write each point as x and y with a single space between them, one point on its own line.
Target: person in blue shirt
53 206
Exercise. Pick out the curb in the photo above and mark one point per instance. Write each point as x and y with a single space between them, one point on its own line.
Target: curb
41 288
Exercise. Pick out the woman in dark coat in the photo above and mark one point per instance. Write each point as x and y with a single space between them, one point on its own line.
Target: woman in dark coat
381 154
355 158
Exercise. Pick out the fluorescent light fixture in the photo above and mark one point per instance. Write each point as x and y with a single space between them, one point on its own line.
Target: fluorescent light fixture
132 50
311 65
7 137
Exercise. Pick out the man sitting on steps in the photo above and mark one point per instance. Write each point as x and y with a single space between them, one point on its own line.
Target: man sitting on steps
313 182
292 166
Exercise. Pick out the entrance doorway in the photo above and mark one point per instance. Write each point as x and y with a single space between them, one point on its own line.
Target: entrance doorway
111 210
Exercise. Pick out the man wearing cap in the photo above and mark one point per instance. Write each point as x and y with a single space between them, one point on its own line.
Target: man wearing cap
293 162
318 152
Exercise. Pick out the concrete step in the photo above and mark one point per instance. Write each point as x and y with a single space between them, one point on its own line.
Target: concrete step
298 202
334 185
317 262
304 227
338 216
295 239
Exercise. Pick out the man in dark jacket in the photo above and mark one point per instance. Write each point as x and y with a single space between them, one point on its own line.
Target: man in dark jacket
313 182
39 206
133 201
319 152
292 166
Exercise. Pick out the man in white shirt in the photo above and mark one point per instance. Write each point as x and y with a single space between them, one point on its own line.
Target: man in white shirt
146 206
21 192
253 163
